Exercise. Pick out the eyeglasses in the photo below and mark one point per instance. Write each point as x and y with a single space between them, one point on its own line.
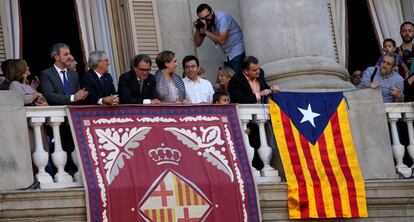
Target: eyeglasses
190 67
144 70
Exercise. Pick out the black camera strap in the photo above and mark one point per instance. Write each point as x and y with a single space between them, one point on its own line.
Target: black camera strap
374 73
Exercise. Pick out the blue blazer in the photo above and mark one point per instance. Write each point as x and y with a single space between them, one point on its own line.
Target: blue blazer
97 88
52 86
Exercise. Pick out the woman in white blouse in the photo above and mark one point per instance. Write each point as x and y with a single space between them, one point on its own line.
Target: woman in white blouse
18 73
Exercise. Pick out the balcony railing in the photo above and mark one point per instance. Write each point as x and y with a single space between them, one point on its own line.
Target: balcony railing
400 116
54 116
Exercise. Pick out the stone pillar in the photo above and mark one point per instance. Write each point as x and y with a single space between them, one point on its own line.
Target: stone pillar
15 160
294 41
295 44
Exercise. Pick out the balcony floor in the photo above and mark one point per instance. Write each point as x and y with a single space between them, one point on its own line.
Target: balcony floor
388 200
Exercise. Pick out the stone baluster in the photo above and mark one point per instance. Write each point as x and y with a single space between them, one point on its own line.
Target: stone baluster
59 156
397 148
408 118
265 153
249 148
40 156
77 177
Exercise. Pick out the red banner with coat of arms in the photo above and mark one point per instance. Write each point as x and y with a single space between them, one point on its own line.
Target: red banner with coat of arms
164 163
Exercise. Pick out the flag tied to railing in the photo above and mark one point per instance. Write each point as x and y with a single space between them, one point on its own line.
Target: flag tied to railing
164 163
321 166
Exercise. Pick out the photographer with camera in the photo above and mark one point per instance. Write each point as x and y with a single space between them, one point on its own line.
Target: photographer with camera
222 29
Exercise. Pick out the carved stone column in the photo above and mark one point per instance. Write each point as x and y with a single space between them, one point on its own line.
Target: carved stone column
249 149
409 118
59 157
294 41
397 147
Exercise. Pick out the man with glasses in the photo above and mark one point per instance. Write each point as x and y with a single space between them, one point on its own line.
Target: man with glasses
98 82
222 29
199 91
138 85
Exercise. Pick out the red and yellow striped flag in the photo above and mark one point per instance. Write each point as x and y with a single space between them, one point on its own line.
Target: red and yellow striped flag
321 166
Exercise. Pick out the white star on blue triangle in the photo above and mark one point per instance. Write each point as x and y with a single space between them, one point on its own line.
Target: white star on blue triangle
314 114
308 115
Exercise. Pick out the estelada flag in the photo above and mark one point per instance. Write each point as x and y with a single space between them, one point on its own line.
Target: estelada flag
321 166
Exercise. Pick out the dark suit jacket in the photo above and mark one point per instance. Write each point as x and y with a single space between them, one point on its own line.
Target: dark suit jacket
240 91
4 85
52 86
95 88
128 89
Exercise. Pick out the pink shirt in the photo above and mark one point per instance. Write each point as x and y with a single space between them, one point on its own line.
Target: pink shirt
255 86
26 90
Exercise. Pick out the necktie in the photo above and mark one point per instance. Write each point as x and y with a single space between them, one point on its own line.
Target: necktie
140 83
66 86
101 79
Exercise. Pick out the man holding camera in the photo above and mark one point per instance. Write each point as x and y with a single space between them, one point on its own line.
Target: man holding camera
222 29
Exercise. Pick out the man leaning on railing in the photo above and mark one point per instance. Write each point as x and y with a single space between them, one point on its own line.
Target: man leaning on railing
385 78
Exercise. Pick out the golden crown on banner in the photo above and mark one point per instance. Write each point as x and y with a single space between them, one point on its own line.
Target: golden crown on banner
165 155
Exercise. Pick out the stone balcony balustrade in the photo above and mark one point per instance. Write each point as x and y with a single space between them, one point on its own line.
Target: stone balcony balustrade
400 117
54 116
62 197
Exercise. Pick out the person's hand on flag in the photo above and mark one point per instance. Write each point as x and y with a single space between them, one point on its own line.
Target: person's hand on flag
275 88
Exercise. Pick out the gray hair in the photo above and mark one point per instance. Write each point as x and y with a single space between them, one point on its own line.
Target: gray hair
392 55
94 58
55 49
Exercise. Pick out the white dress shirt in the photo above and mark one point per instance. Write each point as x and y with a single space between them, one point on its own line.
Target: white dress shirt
72 97
199 91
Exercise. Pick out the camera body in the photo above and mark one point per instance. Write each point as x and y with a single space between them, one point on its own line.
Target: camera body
199 24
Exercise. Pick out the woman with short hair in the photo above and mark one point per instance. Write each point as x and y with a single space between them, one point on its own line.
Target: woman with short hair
170 87
223 78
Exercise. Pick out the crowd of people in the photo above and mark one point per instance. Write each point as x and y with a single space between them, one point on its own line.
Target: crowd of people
239 80
393 72
60 84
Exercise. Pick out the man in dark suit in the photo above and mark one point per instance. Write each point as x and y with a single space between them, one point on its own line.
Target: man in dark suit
98 82
138 85
60 85
250 86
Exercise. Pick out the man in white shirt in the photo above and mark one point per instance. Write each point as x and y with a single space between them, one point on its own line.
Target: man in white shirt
198 90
